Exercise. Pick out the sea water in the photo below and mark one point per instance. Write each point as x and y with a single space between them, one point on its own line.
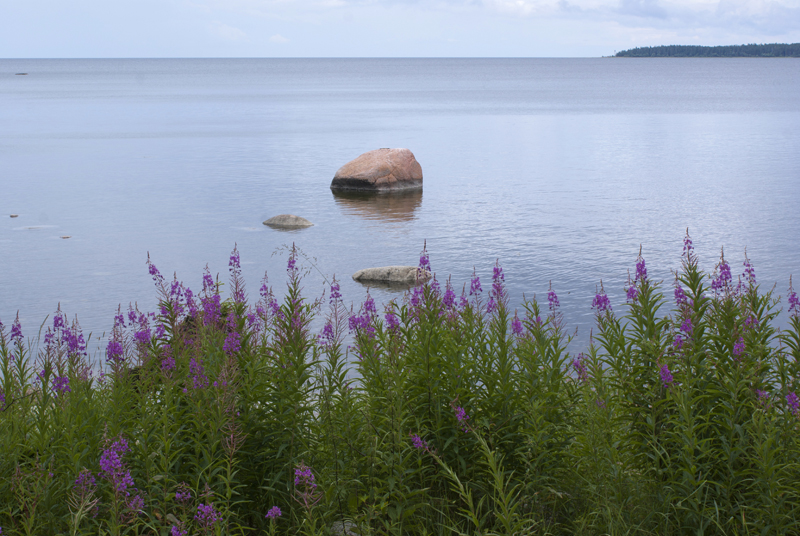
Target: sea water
558 169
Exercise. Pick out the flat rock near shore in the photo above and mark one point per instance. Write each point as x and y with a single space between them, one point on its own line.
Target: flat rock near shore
407 275
288 221
381 170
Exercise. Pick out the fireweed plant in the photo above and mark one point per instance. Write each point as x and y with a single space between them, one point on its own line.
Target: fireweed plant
442 413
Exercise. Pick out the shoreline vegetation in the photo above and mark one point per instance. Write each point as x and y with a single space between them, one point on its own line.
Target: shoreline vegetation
446 413
773 50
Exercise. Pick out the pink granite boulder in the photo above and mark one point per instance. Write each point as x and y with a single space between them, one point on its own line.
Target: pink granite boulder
381 170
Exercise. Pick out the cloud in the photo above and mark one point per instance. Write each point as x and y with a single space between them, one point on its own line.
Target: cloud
278 38
230 33
642 8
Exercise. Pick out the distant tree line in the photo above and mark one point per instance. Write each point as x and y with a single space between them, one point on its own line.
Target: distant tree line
774 50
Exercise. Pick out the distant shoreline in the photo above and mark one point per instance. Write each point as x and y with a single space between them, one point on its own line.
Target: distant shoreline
774 50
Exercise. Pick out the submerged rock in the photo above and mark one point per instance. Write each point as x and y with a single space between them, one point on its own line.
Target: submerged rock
406 275
13 215
288 221
381 170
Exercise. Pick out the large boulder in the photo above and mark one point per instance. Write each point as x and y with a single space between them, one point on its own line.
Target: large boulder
381 170
288 221
406 275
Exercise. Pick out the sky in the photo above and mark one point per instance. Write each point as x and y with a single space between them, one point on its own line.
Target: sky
382 28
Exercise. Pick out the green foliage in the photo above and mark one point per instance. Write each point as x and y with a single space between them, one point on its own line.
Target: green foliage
771 50
438 416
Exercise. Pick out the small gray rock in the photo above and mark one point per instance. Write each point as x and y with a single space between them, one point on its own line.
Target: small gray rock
288 221
344 528
13 215
408 275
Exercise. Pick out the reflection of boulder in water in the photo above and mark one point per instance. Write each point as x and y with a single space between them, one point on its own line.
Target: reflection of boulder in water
395 206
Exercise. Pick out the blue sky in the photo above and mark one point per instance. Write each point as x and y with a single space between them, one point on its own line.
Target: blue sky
381 28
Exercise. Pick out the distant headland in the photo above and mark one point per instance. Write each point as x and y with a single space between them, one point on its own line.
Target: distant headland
775 50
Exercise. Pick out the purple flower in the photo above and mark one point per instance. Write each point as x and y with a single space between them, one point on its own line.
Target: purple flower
207 516
274 513
462 417
327 337
190 304
516 325
794 302
601 302
184 494
304 477
175 296
666 375
724 278
552 300
579 365
687 245
749 272
291 266
435 287
369 306
233 341
641 271
392 322
2 401
424 260
212 309
59 322
197 374
417 296
16 332
498 279
449 298
491 305
85 484
418 442
600 403
168 362
157 277
208 282
178 530
274 308
357 322
793 402
678 342
60 385
76 344
687 327
113 469
142 337
114 352
475 285
335 295
763 397
135 503
235 268
738 348
631 294
233 263
680 296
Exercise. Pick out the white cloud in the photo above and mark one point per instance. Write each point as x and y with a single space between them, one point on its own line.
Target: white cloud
230 33
278 38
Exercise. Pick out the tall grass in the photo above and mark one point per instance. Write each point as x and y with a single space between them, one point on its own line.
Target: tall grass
440 415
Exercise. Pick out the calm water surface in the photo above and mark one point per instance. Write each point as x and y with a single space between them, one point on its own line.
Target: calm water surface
559 168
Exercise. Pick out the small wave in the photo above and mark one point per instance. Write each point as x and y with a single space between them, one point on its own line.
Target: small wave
35 227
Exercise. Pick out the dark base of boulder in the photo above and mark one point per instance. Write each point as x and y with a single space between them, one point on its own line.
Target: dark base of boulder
359 185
